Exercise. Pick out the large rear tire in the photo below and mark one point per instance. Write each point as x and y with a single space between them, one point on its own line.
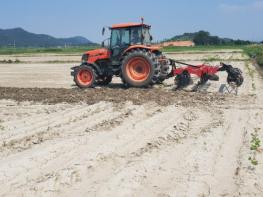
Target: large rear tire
85 77
140 69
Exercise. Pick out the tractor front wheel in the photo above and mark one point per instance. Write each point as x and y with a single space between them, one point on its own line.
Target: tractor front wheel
140 69
85 77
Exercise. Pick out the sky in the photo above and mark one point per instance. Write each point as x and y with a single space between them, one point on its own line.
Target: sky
238 19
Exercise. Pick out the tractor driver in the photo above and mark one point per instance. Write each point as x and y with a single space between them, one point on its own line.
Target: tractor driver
135 37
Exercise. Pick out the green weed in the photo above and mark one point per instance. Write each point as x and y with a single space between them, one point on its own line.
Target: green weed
255 144
255 52
251 73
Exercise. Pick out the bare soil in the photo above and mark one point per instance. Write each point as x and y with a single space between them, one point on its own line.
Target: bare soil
57 140
115 95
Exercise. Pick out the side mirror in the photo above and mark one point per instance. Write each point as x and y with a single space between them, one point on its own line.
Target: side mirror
151 38
102 44
103 31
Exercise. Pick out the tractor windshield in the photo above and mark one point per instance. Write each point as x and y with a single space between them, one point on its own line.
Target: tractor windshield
120 37
130 36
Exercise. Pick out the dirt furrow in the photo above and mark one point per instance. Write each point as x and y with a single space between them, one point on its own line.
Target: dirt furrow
102 143
47 128
25 125
72 145
166 136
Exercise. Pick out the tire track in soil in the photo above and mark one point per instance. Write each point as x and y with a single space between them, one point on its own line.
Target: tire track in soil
100 125
77 121
9 110
139 170
217 174
45 128
25 125
119 163
137 117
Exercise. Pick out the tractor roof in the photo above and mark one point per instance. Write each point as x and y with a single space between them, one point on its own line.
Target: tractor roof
125 25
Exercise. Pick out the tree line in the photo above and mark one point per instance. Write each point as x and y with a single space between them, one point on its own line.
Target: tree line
204 38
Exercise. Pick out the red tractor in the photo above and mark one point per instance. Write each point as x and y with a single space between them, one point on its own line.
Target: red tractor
131 57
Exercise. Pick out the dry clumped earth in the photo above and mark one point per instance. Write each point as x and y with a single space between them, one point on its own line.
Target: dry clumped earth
57 140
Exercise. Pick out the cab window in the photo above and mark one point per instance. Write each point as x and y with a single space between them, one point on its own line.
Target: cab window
125 36
136 35
120 37
146 36
115 38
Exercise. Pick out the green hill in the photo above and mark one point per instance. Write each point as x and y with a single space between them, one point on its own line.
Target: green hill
205 38
20 38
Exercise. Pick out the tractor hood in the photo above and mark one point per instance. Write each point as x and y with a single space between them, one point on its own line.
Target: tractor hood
97 54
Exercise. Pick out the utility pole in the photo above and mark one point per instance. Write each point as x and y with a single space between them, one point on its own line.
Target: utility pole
14 44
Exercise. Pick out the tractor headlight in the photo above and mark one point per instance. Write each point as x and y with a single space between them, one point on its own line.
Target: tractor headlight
84 58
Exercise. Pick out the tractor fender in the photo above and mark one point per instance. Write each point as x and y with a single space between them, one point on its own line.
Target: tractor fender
93 65
73 70
148 48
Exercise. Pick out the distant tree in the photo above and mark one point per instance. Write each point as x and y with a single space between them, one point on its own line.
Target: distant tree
214 40
241 42
202 38
238 42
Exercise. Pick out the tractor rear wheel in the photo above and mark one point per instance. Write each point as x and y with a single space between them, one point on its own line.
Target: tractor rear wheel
85 77
140 69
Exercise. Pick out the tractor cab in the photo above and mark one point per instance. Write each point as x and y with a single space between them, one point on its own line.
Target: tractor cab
129 34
